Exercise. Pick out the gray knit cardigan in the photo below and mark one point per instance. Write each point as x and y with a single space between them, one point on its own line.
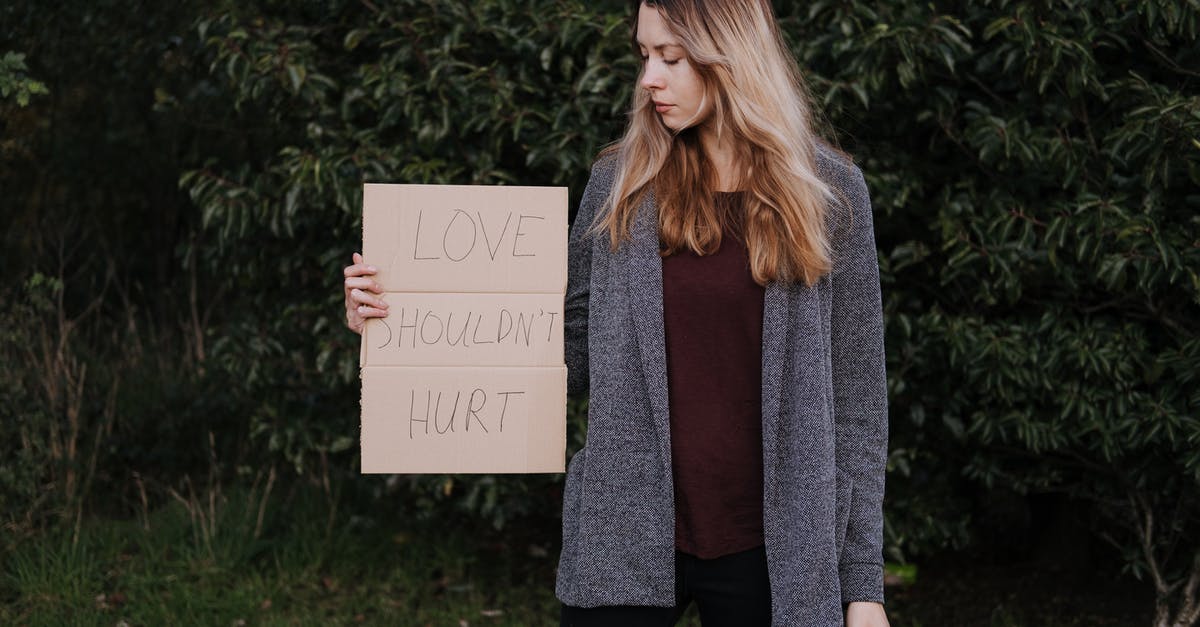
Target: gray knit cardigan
824 412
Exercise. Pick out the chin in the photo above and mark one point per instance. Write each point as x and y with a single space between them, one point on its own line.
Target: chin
674 124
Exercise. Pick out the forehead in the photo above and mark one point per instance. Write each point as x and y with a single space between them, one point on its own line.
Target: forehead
652 30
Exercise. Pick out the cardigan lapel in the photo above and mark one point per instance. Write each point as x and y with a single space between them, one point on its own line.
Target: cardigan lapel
643 274
774 352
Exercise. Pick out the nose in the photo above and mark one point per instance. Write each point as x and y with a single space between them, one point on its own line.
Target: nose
651 79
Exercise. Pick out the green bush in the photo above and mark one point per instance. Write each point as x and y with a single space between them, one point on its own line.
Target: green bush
1036 167
411 91
1033 166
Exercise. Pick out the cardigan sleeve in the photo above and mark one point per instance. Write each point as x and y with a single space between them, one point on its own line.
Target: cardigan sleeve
579 278
860 390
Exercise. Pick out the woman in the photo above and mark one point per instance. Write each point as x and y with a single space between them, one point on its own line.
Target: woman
723 313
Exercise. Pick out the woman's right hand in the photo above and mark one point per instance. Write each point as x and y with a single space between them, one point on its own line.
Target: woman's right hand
362 292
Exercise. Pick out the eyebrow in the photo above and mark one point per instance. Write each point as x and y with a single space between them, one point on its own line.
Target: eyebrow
660 47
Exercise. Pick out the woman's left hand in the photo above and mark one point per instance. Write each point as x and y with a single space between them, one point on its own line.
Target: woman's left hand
866 614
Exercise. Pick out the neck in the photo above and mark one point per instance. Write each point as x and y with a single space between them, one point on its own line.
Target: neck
721 155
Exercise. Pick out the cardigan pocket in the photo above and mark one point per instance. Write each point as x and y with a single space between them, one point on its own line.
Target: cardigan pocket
845 492
572 504
572 497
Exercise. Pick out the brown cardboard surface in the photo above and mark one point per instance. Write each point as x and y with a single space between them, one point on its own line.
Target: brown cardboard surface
466 238
458 419
456 329
466 374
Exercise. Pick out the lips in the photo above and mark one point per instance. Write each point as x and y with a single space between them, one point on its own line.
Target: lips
661 106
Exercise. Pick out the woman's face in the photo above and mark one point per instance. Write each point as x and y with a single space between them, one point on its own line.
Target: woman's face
674 85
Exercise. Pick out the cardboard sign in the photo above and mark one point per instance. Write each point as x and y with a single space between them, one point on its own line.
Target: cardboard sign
466 373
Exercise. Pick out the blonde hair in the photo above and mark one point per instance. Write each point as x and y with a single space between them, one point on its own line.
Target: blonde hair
759 99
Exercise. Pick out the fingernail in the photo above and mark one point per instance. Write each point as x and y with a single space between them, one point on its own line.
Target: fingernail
373 268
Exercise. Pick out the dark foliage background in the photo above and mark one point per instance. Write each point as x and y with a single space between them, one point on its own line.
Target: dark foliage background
181 189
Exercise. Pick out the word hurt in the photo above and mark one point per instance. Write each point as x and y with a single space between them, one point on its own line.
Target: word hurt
472 405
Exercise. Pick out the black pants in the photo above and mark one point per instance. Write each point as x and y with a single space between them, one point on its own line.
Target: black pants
730 590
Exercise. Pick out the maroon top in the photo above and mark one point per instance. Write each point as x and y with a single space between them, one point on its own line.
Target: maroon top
713 316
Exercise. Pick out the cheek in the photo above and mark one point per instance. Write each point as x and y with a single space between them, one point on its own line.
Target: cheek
695 86
696 93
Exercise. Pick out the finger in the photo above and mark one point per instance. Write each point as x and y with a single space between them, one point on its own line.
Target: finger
360 269
363 298
370 312
357 258
363 284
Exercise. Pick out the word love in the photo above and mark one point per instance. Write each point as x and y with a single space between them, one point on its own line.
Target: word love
439 411
432 327
460 235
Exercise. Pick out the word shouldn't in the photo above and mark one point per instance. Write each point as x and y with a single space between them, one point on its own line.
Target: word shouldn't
432 327
472 405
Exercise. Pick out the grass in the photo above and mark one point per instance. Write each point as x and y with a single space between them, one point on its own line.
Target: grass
299 571
201 561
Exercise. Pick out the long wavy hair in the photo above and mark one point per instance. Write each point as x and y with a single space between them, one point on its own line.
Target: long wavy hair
759 100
